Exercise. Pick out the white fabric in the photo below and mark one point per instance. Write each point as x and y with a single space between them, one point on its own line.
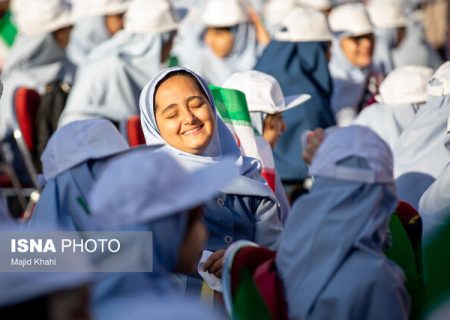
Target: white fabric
440 84
388 120
387 14
38 17
223 13
350 19
170 187
341 144
213 282
156 16
434 205
303 25
84 8
263 92
78 142
405 85
421 151
275 11
448 125
317 4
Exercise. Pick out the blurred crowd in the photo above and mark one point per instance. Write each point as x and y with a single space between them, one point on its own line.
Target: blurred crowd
290 157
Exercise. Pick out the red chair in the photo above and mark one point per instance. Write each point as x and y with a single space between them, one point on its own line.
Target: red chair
132 131
260 263
26 104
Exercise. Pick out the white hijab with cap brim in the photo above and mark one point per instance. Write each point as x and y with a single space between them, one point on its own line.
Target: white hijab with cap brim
222 144
346 212
422 150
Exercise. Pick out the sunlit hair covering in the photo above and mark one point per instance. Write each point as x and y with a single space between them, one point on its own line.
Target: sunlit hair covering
337 231
303 25
402 93
39 17
111 80
421 152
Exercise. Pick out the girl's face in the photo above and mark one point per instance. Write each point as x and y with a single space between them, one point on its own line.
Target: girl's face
62 36
273 128
183 115
193 244
359 50
220 40
114 23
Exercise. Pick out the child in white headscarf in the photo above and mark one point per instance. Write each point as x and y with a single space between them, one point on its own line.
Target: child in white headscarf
422 150
178 115
109 84
402 94
225 43
38 55
99 20
330 257
351 61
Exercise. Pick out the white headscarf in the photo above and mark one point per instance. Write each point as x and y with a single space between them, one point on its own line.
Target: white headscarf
421 152
336 232
110 83
222 144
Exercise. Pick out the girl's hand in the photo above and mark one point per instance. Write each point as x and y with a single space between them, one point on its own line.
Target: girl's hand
262 35
214 264
315 139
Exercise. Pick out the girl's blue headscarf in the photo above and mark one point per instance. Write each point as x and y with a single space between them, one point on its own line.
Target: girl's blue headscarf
299 67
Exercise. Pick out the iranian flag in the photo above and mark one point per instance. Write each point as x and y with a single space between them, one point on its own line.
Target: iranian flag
232 107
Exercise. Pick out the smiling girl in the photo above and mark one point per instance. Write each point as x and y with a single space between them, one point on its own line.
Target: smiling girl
178 115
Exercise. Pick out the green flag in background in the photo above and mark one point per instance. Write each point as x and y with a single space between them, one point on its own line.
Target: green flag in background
8 30
232 107
437 268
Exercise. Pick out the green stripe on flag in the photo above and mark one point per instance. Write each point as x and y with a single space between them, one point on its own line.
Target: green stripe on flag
231 105
8 30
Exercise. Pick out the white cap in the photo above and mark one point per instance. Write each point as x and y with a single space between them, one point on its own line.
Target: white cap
146 185
439 85
155 16
350 19
39 17
79 141
276 10
387 14
303 24
317 4
342 143
100 7
263 92
223 13
404 85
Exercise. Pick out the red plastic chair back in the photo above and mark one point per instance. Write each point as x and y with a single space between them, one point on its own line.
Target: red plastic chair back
134 131
26 104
